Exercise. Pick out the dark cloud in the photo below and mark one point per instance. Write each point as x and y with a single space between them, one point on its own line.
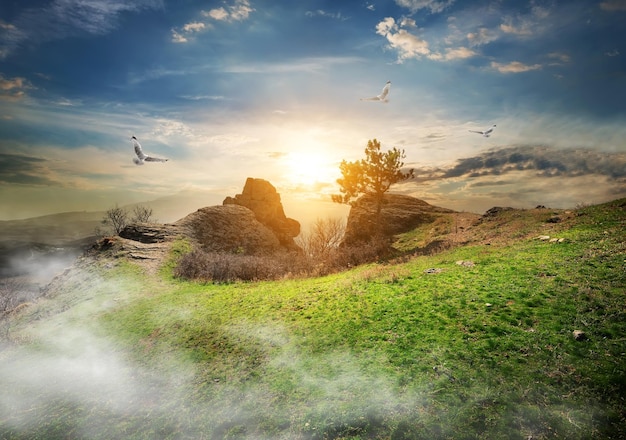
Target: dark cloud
546 162
492 183
19 169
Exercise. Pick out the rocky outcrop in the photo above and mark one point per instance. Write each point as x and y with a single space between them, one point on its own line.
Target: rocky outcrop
230 228
399 214
263 200
251 223
496 210
150 232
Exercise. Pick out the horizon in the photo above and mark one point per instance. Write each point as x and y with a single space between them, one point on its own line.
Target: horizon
231 89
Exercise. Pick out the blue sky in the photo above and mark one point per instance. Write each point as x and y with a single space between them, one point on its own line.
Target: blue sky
270 89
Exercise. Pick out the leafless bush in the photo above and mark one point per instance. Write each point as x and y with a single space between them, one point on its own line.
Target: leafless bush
116 218
228 267
377 248
322 254
324 237
142 214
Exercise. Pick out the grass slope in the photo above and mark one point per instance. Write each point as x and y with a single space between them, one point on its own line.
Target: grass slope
420 349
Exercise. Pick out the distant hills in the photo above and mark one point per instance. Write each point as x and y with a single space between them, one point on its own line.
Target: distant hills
55 238
54 229
47 237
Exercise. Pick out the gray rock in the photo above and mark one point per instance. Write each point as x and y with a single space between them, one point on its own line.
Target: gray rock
230 228
399 213
263 200
251 223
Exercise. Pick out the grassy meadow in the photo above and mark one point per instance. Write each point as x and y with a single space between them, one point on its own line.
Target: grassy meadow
418 348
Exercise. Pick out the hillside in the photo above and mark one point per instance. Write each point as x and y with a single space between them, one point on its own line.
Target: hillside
504 326
53 229
28 245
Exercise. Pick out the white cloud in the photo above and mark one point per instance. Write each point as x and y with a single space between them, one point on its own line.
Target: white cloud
323 13
407 22
203 97
407 44
514 67
410 46
458 53
178 38
171 128
481 37
61 19
559 58
194 27
527 24
231 139
520 27
13 88
240 10
217 14
13 83
182 36
387 25
435 6
310 64
613 5
540 12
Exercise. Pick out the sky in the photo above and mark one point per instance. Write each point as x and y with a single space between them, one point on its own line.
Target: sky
271 89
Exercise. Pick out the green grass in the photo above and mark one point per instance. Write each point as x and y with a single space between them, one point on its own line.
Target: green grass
384 351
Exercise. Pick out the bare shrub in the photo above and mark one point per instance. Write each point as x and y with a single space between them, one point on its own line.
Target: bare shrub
228 267
323 238
116 218
142 214
377 248
224 267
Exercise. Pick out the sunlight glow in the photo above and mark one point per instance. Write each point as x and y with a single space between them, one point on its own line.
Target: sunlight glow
310 168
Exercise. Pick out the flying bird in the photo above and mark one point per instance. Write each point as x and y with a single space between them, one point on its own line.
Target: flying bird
141 157
383 95
485 133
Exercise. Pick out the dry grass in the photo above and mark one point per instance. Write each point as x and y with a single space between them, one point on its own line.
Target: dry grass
223 267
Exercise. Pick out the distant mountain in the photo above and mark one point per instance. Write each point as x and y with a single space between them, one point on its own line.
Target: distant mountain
53 229
64 227
170 208
54 240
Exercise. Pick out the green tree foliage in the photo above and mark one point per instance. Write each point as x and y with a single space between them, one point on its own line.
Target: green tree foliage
373 175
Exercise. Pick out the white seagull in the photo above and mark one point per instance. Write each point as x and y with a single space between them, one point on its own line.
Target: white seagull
141 158
383 95
485 133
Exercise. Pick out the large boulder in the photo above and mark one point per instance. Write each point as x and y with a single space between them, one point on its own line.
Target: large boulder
251 223
263 200
230 228
399 213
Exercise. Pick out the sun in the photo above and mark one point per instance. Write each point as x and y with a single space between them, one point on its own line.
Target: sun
310 168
